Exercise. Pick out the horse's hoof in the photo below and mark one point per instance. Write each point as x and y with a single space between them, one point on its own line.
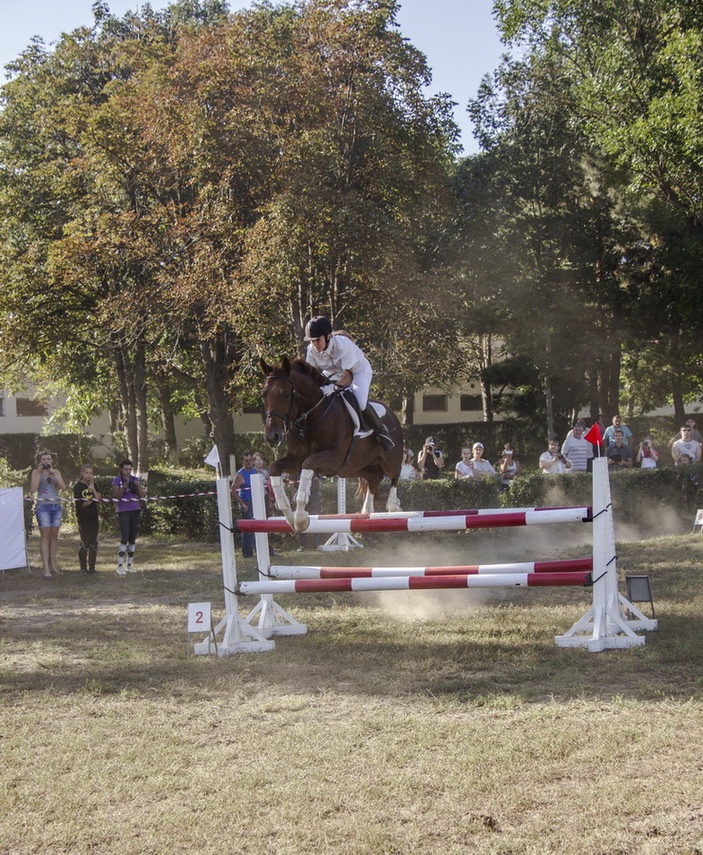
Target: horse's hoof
301 522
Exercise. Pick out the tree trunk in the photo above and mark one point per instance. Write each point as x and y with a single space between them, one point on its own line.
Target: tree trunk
214 353
141 464
548 397
408 408
677 398
486 361
168 422
127 402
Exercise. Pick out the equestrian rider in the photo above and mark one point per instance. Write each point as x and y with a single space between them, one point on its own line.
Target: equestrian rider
339 358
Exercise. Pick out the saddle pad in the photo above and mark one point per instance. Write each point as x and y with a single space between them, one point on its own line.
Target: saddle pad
380 409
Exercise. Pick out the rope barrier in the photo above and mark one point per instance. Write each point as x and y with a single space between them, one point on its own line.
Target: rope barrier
131 498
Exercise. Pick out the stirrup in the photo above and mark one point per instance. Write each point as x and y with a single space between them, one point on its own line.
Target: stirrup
385 439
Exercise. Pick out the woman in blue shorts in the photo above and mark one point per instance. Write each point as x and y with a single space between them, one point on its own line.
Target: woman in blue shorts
46 483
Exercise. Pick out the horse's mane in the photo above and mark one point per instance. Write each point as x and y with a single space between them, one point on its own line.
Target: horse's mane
300 366
305 368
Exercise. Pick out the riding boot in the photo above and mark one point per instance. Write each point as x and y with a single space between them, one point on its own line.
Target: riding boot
372 419
121 555
82 553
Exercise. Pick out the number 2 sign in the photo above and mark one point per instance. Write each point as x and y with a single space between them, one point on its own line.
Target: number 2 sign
199 617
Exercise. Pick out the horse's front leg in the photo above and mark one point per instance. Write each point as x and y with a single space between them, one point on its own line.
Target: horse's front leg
301 517
393 503
282 502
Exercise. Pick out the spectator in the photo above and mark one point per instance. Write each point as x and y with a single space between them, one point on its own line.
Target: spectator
261 467
695 433
577 449
46 481
87 497
241 491
609 434
552 461
647 456
464 468
127 489
430 460
482 468
581 422
619 455
686 445
408 472
508 467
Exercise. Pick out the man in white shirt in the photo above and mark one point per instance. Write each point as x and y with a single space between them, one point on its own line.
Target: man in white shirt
577 449
686 445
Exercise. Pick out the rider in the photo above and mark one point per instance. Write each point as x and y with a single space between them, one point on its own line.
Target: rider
345 364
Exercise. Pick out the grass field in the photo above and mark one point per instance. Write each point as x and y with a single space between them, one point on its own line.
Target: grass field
402 723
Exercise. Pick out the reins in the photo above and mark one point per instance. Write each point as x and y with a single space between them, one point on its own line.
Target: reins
296 425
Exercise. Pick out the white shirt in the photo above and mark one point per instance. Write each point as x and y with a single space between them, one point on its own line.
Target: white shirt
341 354
483 467
464 470
686 446
557 468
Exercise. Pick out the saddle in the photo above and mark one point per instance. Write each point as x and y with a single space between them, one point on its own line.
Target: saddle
363 426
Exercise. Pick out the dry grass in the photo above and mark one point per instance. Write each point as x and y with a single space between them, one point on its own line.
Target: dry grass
464 730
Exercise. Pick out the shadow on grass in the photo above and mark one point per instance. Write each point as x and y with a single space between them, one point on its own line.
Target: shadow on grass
112 635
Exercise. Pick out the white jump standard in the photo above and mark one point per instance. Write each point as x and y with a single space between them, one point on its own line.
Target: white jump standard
611 622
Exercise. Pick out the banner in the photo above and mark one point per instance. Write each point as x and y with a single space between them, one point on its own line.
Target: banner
13 547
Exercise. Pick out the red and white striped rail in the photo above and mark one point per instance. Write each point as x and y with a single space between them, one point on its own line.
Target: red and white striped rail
414 583
446 522
285 571
399 515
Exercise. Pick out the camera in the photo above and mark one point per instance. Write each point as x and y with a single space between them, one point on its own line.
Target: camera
46 466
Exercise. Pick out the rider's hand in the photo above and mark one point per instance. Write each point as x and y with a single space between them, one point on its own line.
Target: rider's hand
329 389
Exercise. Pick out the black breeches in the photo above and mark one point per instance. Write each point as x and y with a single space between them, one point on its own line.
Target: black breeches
129 526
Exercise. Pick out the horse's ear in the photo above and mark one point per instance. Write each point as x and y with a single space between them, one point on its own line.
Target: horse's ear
285 362
265 367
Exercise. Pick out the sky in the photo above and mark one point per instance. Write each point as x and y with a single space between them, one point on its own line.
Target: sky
458 37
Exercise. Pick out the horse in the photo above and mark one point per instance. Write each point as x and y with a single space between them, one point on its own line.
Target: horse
320 439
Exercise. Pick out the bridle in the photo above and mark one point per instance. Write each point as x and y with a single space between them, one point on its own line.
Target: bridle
297 425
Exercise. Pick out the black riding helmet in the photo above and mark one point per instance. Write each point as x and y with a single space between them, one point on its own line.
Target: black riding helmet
317 326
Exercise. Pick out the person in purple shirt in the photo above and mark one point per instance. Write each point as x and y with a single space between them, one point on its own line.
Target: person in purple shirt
127 489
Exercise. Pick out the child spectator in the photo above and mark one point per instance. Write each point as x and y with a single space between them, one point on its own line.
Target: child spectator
464 468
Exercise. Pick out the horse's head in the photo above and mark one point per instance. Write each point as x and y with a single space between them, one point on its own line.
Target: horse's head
291 388
279 400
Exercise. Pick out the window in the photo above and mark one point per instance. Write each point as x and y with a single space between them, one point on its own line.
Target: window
30 407
2 406
434 403
470 403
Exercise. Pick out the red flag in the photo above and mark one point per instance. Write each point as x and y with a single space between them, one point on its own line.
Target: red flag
594 435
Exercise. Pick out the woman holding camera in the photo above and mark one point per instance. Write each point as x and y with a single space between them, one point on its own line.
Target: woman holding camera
46 482
430 460
508 467
553 462
647 456
128 491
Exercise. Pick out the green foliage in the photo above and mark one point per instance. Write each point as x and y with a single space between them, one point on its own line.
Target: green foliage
73 449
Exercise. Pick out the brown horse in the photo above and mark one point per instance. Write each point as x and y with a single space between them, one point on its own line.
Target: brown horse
320 438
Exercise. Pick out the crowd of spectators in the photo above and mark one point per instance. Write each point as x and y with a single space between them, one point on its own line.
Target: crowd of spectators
574 454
